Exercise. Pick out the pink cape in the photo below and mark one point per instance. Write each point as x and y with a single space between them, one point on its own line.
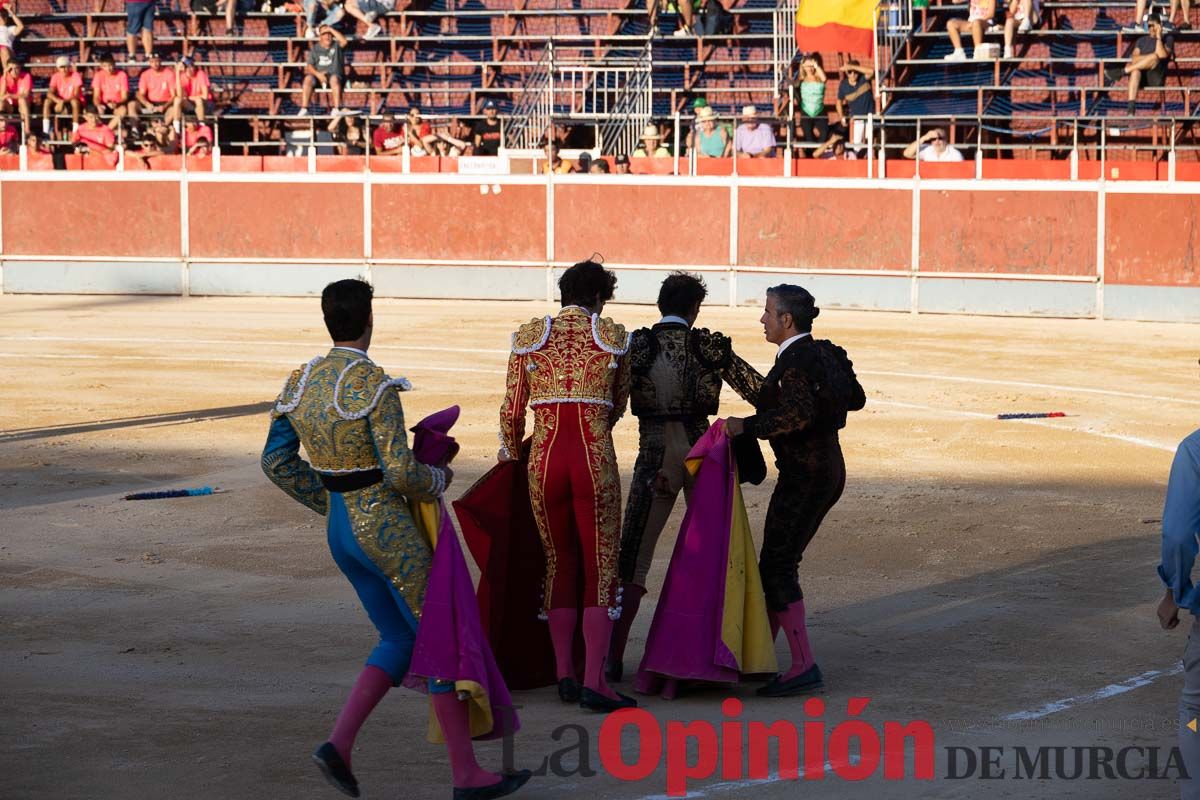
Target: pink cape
450 641
711 622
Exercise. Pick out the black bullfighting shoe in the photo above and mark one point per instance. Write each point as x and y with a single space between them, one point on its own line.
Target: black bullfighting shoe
508 784
335 770
808 681
568 690
594 701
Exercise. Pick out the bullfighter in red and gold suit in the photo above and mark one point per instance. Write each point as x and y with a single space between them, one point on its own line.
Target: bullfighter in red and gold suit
573 372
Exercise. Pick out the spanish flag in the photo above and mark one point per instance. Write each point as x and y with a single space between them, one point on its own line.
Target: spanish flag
841 26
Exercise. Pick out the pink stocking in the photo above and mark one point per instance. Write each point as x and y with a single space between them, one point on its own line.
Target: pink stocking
632 599
454 717
562 634
792 622
597 636
372 684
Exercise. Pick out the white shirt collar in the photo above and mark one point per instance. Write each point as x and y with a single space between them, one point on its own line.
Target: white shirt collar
362 353
788 342
672 319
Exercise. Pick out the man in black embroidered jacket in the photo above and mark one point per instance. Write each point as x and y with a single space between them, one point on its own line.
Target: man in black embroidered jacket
799 409
676 375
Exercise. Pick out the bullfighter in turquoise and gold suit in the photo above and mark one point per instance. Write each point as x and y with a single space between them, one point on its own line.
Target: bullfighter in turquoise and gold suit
363 477
347 413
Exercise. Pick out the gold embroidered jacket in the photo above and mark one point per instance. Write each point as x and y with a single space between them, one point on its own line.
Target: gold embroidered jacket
575 357
346 413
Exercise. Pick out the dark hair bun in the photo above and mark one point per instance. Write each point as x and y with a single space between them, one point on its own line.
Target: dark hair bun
816 312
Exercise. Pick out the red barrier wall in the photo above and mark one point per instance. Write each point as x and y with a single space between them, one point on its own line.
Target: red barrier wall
1152 239
846 228
453 221
68 218
275 220
666 225
1030 233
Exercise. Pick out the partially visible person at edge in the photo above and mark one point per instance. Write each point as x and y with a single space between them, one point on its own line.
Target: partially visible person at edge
1180 529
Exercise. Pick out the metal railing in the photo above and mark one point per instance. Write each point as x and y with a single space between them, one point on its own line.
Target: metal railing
784 39
631 107
893 30
530 119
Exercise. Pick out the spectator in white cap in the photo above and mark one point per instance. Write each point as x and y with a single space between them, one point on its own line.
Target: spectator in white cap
752 138
651 146
66 91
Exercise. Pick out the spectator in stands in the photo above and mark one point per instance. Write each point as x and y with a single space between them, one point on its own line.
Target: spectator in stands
933 146
1186 22
319 14
621 163
856 100
685 9
554 162
10 28
460 134
419 134
351 141
835 149
110 90
388 139
93 136
1023 15
583 164
979 19
158 139
35 144
752 138
489 131
193 91
156 90
368 12
326 65
9 142
65 91
709 139
599 167
651 145
814 121
714 18
139 19
1148 62
16 91
197 138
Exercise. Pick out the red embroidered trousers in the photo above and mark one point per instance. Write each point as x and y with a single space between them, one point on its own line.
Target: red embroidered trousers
575 491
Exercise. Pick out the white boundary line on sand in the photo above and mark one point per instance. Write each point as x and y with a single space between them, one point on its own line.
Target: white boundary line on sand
1112 690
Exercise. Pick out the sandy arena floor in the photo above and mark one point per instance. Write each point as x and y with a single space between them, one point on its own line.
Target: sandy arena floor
200 648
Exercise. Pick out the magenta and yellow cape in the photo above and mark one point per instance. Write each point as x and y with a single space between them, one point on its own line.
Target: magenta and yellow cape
711 621
451 644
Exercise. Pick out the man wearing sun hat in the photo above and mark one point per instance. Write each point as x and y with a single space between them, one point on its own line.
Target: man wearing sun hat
752 138
651 145
66 89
